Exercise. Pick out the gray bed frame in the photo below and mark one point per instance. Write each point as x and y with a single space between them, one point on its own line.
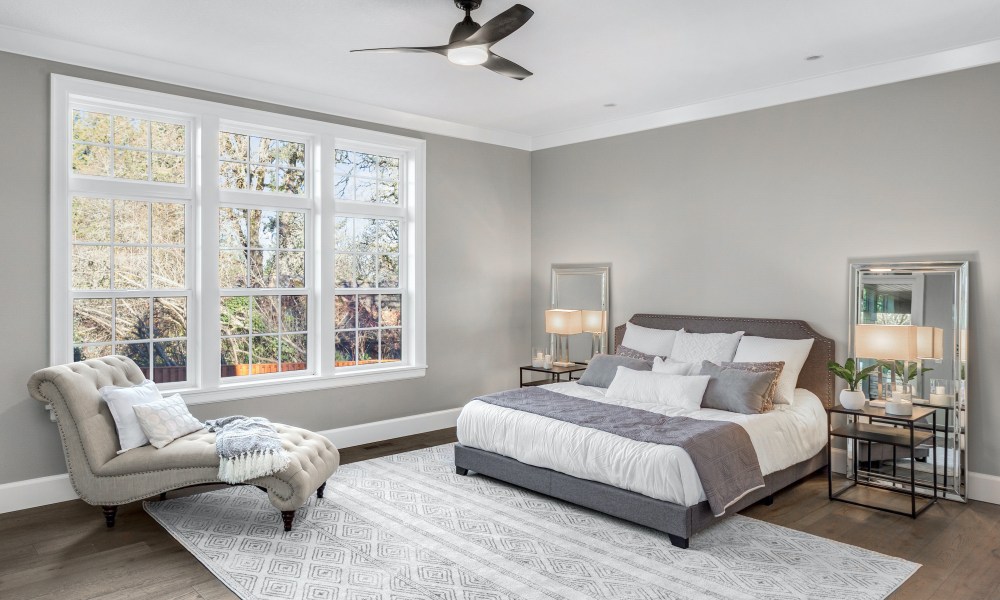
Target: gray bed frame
678 522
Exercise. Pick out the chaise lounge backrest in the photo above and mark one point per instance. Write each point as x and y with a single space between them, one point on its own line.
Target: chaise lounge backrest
85 423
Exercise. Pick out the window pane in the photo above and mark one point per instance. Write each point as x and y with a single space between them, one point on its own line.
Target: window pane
170 317
345 266
263 179
262 269
344 162
233 146
131 222
388 192
344 188
294 313
169 362
168 268
131 132
366 235
131 268
138 353
91 320
344 235
264 351
391 345
232 269
168 223
370 178
168 168
234 315
131 164
367 346
367 310
91 160
386 235
292 230
346 352
91 127
345 313
88 352
364 190
235 359
91 219
293 352
233 176
263 228
91 267
167 136
233 228
291 269
132 319
292 181
265 314
388 271
366 275
390 311
388 168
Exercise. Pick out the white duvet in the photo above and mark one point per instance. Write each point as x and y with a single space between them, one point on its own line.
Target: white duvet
781 437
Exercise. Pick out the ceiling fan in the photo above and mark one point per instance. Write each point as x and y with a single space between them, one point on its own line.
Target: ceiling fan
470 42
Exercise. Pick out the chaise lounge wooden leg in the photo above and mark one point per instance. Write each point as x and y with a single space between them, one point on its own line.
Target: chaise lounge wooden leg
320 490
287 516
767 501
163 496
680 542
461 471
109 515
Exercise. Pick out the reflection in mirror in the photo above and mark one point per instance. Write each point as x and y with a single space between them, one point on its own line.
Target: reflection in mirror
583 287
930 299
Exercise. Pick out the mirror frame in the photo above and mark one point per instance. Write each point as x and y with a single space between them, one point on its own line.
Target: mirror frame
961 323
603 270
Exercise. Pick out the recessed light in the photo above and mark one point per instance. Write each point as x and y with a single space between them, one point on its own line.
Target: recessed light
610 105
814 57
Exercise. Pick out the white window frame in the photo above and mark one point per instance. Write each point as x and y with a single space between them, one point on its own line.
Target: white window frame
202 191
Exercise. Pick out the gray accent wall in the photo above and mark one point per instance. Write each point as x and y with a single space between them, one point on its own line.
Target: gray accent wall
478 276
758 214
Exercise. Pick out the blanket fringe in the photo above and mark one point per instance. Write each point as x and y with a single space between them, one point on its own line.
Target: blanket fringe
251 465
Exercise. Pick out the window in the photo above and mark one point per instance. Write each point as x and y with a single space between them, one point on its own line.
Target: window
297 264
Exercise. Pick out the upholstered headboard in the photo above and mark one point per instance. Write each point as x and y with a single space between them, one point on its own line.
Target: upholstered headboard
814 376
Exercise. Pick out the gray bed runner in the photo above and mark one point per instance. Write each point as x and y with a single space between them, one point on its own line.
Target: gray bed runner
721 451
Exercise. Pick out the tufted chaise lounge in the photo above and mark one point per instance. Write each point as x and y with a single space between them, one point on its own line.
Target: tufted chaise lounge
102 477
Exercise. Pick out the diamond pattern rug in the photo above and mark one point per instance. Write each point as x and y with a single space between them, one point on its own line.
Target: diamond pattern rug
407 527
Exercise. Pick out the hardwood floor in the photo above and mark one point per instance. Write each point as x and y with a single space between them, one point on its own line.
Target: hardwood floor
64 551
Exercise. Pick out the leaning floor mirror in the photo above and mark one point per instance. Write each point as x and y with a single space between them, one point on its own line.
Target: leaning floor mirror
930 301
582 287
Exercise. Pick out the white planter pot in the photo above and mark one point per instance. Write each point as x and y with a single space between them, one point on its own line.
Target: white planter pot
852 400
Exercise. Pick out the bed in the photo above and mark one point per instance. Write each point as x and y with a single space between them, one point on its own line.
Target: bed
652 485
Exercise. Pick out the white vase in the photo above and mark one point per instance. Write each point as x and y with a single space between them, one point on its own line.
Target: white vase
852 400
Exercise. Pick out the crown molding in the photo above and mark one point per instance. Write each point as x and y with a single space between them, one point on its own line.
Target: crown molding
41 46
19 41
823 85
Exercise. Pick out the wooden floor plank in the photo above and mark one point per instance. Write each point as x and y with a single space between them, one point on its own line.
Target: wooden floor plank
64 550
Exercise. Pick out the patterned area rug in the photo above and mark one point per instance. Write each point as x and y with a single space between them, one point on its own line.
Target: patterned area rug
406 526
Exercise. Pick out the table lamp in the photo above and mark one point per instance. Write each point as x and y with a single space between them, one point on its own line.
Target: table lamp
563 323
892 343
594 322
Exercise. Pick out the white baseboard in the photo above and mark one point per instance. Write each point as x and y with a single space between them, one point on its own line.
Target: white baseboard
19 495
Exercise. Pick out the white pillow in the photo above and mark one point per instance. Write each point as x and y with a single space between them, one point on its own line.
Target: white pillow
163 421
121 400
657 342
713 347
674 367
792 352
677 391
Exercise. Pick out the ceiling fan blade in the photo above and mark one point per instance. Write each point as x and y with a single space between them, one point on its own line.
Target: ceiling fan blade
501 65
434 49
501 26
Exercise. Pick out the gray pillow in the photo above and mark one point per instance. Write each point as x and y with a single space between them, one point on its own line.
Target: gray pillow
602 369
736 390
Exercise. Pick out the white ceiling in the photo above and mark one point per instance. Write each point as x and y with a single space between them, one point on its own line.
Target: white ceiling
645 56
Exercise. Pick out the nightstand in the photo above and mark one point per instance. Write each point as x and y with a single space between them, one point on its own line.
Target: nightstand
895 430
555 374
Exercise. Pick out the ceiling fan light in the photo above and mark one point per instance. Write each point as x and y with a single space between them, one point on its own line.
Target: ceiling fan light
468 56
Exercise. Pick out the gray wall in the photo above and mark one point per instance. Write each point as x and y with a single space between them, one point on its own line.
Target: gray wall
758 214
478 256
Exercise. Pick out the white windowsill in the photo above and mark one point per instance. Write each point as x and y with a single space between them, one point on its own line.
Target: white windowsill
290 385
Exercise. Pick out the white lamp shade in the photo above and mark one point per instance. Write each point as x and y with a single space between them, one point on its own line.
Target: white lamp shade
930 343
594 320
563 321
885 342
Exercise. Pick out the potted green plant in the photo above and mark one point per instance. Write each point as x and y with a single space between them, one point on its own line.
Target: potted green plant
851 398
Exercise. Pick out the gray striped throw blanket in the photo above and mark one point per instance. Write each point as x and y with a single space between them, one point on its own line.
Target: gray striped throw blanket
248 447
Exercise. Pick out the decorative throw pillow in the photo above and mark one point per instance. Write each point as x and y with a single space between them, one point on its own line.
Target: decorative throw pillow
713 347
602 369
736 390
655 342
761 367
792 352
674 367
163 421
120 401
676 391
633 353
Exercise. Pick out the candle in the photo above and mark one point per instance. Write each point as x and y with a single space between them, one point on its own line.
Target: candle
939 390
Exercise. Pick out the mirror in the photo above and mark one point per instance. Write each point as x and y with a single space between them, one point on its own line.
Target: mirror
582 287
932 297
